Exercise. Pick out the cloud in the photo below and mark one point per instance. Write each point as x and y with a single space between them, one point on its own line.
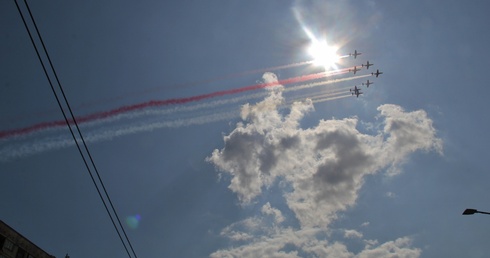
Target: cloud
312 242
269 210
326 164
408 132
391 195
249 155
401 247
286 242
320 169
351 233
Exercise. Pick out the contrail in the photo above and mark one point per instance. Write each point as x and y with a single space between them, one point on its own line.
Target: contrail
157 103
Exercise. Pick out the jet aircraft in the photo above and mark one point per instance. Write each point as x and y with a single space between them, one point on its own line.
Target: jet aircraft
367 83
367 65
356 91
355 69
355 54
377 73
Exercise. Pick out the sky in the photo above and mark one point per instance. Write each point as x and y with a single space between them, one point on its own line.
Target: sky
216 134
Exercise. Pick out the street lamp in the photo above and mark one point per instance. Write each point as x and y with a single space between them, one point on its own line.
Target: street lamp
473 211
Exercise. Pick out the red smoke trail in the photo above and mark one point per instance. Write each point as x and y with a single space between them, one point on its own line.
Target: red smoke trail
194 83
158 103
178 85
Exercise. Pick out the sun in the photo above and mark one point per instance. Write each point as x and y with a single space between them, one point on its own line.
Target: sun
323 54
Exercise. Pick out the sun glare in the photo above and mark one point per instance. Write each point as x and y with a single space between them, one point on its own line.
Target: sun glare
323 54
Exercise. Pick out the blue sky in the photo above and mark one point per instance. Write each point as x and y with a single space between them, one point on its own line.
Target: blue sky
387 173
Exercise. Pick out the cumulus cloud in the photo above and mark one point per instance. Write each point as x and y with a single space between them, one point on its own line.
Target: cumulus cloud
286 242
323 168
312 242
407 132
326 164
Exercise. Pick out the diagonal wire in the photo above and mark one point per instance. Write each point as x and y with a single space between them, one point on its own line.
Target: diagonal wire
79 131
76 125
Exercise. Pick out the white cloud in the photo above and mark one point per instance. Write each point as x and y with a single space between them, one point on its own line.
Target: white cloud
408 132
322 167
269 77
365 224
325 165
401 247
243 230
287 242
269 210
351 233
390 195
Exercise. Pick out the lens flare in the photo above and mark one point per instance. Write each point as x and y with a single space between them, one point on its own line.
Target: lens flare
133 221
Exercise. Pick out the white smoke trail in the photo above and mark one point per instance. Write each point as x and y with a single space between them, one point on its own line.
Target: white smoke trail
330 98
325 93
317 84
25 149
213 112
14 151
181 108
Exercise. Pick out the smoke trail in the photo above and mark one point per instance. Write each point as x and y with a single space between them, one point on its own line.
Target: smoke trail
58 142
206 81
316 84
132 111
152 110
25 149
168 111
179 85
312 95
208 107
329 98
106 133
157 103
263 94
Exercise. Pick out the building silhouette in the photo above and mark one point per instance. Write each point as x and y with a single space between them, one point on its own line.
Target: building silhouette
14 245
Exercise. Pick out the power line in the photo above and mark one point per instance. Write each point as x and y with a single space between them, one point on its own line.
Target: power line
77 127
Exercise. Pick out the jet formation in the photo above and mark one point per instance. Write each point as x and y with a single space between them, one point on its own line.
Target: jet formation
367 83
377 73
367 65
355 69
355 54
357 91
